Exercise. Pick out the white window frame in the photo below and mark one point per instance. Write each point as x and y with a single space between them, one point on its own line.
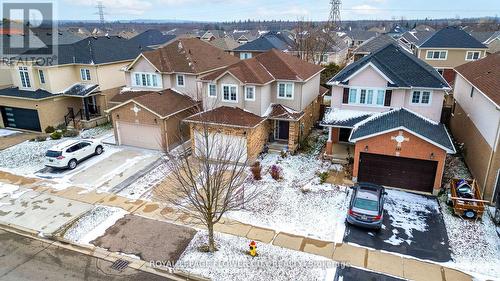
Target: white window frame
245 55
375 92
85 74
434 51
253 93
285 97
24 75
419 103
208 90
229 86
473 52
183 80
148 77
41 76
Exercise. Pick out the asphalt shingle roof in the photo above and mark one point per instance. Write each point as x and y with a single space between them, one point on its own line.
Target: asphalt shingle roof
361 34
374 44
404 69
272 40
435 132
80 90
15 92
151 37
452 37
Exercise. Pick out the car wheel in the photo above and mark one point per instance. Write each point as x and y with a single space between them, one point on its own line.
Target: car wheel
470 214
72 164
99 150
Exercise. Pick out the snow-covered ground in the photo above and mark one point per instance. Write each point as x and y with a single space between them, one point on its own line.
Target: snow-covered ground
475 245
231 262
297 203
7 132
93 224
142 187
406 212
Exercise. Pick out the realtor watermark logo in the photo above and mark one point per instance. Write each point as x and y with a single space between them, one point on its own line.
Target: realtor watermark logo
29 33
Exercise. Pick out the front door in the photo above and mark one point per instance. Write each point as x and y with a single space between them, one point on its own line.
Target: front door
283 129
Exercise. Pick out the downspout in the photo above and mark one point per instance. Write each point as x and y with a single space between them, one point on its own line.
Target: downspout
488 171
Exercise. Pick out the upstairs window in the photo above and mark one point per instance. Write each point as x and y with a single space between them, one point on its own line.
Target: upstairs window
85 74
146 80
421 97
250 93
25 77
180 80
285 90
244 56
212 90
437 54
41 75
473 55
371 97
230 93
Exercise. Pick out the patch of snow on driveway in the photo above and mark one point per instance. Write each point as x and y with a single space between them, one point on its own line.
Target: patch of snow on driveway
298 203
93 224
407 211
231 262
6 132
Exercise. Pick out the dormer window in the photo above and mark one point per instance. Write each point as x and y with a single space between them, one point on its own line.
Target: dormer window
180 80
85 74
25 77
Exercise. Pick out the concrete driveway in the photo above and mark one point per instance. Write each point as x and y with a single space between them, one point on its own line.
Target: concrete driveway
413 225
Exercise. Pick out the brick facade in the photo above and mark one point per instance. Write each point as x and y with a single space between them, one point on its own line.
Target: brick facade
415 148
300 129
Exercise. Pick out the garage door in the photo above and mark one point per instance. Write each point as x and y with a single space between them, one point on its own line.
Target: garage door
20 118
221 146
399 172
144 136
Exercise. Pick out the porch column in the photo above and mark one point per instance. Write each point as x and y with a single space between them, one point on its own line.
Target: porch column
86 108
329 144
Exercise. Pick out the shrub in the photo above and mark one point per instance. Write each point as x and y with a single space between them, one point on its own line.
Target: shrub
61 127
283 153
50 129
275 172
71 133
256 171
56 135
323 176
40 138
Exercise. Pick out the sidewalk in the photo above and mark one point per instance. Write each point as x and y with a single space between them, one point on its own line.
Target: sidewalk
383 262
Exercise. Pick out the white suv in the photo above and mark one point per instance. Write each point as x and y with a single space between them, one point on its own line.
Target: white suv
69 153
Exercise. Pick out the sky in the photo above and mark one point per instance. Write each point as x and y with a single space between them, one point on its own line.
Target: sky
228 10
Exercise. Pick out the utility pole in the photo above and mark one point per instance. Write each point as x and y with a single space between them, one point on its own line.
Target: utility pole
100 11
334 18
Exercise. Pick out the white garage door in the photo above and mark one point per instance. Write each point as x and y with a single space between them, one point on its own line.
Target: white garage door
139 135
221 146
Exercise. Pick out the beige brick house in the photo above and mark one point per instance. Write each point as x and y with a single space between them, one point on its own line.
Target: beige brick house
73 91
271 98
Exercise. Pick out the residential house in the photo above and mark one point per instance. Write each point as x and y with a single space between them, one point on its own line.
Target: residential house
226 43
490 39
162 89
374 44
354 38
384 115
396 31
475 121
210 35
449 48
272 97
152 38
335 53
245 36
281 40
74 90
415 38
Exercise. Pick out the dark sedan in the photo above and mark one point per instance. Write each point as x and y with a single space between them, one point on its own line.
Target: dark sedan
366 208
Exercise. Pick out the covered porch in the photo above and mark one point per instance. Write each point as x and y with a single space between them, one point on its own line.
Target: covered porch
286 129
90 112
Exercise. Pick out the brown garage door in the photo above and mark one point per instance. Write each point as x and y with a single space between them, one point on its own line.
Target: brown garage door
399 172
139 135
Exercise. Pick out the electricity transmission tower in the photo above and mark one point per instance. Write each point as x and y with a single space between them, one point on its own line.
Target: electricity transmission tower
334 18
100 11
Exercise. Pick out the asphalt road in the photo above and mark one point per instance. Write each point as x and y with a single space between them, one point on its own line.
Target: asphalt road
23 258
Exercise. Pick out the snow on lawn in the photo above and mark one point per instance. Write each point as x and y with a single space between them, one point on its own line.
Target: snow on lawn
141 187
93 224
231 261
298 203
406 211
475 245
6 132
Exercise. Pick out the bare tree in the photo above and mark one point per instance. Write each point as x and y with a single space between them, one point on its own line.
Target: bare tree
208 174
314 41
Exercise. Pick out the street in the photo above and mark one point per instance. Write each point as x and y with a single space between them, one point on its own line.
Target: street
23 258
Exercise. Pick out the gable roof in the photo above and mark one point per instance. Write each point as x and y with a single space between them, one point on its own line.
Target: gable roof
162 103
484 74
267 67
375 43
280 112
402 68
452 37
417 37
271 40
227 116
225 43
151 37
361 35
403 118
485 37
189 55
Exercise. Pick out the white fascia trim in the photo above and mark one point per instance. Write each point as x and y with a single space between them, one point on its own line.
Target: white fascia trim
409 131
364 67
132 101
137 58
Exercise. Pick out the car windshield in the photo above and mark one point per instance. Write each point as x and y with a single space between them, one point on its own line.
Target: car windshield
366 204
53 153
